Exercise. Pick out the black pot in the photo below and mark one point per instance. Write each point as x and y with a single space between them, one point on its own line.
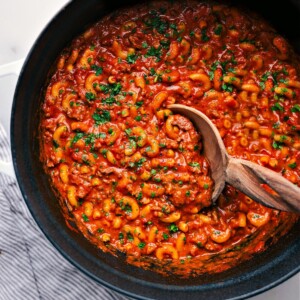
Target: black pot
262 272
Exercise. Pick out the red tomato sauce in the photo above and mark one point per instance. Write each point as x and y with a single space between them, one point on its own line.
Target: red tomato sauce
131 173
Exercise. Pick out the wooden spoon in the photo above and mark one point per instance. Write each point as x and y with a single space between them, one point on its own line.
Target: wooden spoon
246 176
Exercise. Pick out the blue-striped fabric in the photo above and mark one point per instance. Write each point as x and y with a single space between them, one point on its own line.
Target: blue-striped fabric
30 267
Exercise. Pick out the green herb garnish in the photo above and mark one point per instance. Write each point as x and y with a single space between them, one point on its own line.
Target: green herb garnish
102 117
97 69
90 96
173 228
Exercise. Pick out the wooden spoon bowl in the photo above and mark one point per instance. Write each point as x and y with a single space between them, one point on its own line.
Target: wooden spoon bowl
248 177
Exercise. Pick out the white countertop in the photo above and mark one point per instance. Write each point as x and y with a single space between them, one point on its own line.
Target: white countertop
21 21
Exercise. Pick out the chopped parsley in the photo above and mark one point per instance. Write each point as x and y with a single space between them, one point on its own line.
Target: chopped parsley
274 76
227 87
204 36
114 89
156 22
194 164
295 108
127 208
137 164
103 152
153 172
247 41
206 186
132 144
55 144
284 71
216 232
265 76
97 69
211 75
102 117
157 77
105 88
139 104
109 101
129 236
139 196
173 228
199 244
76 138
293 165
277 145
256 216
89 138
113 188
90 96
131 58
165 236
218 30
154 52
215 65
282 80
173 26
148 149
152 72
262 85
145 45
165 44
85 218
141 245
277 107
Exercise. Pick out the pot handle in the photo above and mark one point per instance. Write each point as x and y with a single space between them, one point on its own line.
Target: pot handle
7 168
12 68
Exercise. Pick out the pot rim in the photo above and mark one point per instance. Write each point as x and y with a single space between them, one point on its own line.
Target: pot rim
157 288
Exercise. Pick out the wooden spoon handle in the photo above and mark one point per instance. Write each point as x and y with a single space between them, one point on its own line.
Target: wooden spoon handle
248 177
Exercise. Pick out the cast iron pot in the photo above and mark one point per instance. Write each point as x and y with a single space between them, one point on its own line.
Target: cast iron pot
263 272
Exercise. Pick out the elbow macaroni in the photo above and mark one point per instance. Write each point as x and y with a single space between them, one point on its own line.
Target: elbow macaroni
131 171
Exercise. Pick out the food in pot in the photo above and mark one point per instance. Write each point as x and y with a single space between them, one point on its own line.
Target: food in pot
131 173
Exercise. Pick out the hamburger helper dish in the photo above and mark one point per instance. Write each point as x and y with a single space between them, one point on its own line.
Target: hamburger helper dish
130 173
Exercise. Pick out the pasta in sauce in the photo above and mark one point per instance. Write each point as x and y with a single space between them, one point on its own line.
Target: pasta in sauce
131 173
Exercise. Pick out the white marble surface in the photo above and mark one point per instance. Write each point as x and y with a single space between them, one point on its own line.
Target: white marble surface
21 21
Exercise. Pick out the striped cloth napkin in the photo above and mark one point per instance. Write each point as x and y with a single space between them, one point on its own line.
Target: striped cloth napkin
30 267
